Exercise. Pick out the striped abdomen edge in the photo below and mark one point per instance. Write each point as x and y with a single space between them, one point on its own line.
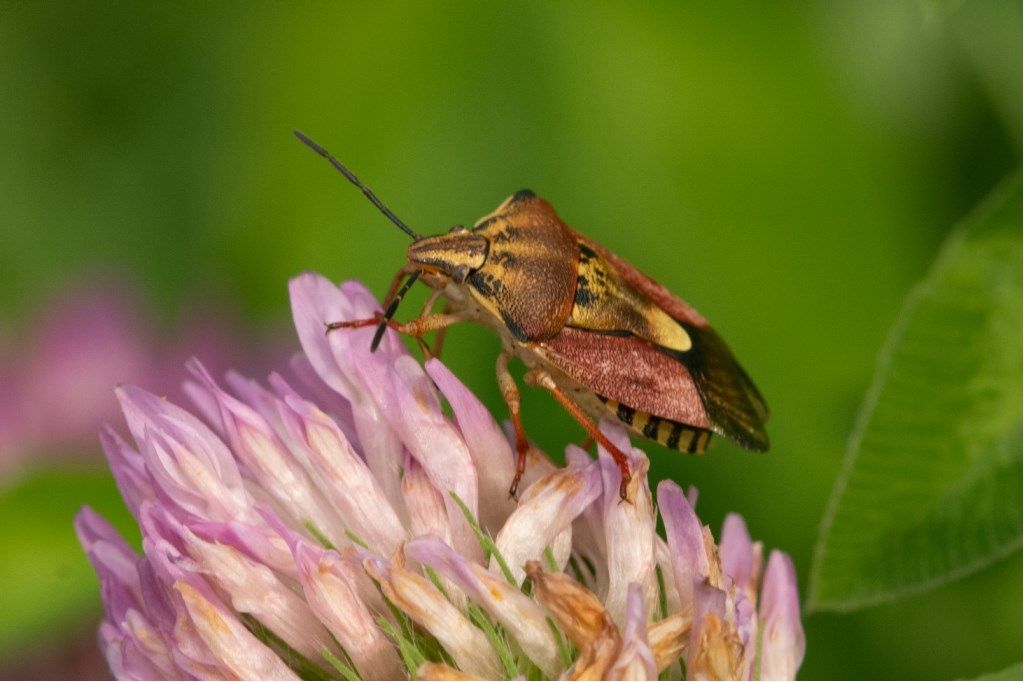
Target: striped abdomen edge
665 431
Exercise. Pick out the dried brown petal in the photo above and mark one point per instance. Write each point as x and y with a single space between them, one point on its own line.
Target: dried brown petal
582 617
441 671
719 652
669 638
598 655
577 611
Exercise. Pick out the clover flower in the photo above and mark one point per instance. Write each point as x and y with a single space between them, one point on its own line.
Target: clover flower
348 528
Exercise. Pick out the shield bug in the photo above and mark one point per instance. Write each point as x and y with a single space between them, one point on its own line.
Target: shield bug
605 339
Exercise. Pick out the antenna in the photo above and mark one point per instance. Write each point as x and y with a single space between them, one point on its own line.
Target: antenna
367 192
379 334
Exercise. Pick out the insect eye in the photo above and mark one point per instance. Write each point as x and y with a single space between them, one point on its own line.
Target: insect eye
460 273
456 229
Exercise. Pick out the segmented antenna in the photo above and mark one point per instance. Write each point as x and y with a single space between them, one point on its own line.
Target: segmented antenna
367 192
390 312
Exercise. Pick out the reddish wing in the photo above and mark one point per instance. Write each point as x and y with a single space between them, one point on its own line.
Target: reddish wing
628 370
728 398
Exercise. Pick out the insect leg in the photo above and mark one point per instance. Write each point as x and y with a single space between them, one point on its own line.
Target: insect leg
396 281
431 300
355 324
414 328
427 323
435 350
439 338
538 377
510 392
424 325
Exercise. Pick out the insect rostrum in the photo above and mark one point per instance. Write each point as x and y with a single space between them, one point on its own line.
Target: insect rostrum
604 338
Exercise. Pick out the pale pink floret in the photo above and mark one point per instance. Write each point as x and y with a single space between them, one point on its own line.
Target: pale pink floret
491 452
683 532
635 660
546 509
783 643
255 443
335 512
522 617
238 650
425 604
629 530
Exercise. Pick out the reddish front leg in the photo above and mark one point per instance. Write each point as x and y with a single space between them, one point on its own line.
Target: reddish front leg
358 324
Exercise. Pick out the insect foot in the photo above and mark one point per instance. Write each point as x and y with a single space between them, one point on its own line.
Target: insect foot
513 490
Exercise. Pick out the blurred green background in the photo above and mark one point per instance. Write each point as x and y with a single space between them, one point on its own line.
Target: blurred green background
789 168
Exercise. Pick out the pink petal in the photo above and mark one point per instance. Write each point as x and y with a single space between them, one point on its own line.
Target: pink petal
588 529
334 598
685 540
741 563
114 562
256 541
663 557
490 450
737 551
548 507
629 528
315 302
236 648
714 651
190 651
438 447
137 666
111 640
428 514
635 660
344 362
255 589
417 596
157 602
782 642
362 505
365 304
256 444
129 470
187 461
147 647
746 627
350 554
329 401
382 448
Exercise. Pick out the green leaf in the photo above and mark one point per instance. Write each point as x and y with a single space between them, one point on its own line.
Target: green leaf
1012 672
930 488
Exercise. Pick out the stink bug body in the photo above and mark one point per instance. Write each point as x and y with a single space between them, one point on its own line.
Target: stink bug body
602 337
